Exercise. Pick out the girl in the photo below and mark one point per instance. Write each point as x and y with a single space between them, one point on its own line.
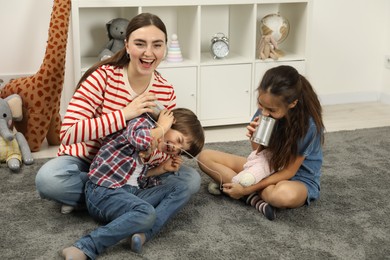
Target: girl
109 94
296 146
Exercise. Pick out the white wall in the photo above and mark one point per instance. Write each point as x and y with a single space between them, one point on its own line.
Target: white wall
26 22
24 28
385 97
348 40
347 46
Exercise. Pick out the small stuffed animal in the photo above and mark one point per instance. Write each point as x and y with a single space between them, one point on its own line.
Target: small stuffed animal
41 92
116 29
255 169
13 146
268 48
274 29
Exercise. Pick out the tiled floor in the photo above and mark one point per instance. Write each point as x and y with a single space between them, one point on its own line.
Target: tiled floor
336 118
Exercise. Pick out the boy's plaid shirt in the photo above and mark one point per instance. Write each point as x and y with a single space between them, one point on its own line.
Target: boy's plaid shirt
118 156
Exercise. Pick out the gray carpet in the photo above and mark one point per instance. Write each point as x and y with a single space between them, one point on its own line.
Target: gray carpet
350 221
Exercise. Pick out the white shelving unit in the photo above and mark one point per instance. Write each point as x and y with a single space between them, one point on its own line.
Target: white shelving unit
221 92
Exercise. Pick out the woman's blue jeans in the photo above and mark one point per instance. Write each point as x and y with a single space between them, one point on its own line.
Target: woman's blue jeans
63 179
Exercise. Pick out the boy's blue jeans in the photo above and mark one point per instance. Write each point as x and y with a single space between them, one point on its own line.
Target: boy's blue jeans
62 179
122 212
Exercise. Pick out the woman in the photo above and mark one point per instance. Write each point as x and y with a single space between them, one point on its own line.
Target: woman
110 93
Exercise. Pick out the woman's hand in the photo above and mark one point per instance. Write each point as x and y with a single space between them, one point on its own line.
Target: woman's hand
234 190
139 105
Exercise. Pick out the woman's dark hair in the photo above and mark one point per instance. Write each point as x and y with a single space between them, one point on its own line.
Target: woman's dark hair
285 83
187 123
121 58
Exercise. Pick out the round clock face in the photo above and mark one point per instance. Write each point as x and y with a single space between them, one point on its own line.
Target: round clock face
220 49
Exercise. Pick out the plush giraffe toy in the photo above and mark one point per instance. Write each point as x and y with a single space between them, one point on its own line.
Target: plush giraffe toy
41 93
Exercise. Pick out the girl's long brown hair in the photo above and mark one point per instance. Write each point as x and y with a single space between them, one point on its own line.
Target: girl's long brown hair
121 58
287 84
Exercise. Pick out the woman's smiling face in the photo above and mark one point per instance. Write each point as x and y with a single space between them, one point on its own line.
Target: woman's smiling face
146 47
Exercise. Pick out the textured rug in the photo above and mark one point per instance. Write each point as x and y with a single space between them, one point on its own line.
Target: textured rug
350 221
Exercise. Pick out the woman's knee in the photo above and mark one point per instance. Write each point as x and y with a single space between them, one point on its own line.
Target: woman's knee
46 182
49 185
59 180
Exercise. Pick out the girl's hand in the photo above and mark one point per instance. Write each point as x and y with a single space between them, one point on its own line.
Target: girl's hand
234 190
252 127
139 105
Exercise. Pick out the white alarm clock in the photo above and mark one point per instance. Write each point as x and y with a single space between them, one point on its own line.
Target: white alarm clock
219 46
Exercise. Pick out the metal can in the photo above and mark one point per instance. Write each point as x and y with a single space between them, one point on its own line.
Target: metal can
263 132
157 109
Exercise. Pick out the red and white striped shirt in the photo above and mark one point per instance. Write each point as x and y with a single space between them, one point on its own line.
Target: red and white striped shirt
95 109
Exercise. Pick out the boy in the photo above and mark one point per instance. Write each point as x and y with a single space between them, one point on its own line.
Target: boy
127 172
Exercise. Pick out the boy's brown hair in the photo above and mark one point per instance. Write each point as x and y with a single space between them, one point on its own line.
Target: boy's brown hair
187 123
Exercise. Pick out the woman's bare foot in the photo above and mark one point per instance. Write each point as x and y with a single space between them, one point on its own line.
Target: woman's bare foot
137 240
73 253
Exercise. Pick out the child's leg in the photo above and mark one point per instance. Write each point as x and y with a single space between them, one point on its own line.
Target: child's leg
125 213
263 207
221 167
73 253
285 194
169 197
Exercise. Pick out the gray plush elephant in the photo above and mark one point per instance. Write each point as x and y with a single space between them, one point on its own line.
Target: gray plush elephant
13 145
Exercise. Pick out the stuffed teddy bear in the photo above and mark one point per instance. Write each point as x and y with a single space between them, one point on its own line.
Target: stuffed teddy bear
255 169
116 30
268 48
274 29
13 145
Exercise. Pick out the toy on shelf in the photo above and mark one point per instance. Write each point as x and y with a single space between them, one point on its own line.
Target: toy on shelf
268 48
174 52
41 92
13 146
116 30
274 29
